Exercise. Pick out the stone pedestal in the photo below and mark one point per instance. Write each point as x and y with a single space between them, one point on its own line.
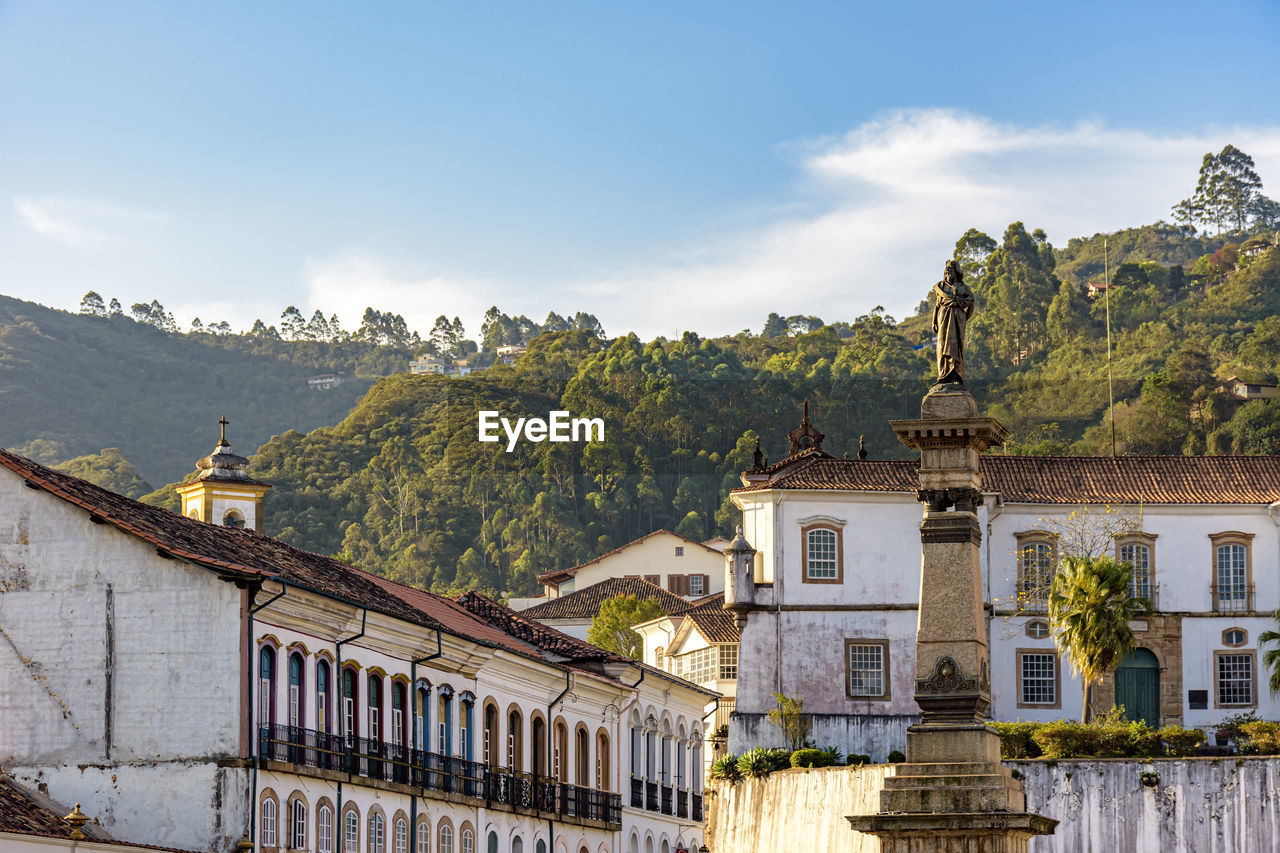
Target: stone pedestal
952 794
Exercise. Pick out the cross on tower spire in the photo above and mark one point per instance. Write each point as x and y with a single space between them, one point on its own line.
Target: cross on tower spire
223 440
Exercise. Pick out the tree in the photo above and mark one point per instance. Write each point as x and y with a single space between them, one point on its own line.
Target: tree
774 327
115 308
1240 185
292 323
1089 614
790 717
92 304
612 627
972 251
1271 658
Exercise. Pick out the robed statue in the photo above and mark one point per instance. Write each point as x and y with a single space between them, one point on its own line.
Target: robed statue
952 308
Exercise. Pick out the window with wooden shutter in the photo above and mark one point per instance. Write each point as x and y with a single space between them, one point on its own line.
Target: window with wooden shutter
656 580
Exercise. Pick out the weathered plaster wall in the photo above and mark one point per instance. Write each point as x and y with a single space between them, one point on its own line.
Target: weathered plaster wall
868 734
184 804
1201 805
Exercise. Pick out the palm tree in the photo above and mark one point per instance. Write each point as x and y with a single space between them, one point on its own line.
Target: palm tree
1089 612
1271 659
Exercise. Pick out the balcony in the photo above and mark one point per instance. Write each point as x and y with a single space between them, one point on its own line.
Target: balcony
429 771
666 799
1235 598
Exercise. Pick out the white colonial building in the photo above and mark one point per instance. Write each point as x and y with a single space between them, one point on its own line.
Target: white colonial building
680 565
201 686
828 591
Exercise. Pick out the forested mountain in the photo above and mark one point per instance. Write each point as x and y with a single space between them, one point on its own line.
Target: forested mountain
401 485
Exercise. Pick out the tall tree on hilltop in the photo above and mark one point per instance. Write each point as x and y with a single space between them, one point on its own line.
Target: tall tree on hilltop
92 304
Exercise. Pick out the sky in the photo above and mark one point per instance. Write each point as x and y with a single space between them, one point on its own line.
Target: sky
664 166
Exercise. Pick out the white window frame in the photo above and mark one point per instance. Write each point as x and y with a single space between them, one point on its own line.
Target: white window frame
298 819
324 830
267 838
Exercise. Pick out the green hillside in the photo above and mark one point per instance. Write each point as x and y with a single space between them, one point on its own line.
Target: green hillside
72 384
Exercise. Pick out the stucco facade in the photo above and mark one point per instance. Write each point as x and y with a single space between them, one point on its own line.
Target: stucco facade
797 631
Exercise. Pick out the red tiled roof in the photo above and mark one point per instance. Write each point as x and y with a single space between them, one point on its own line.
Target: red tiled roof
569 572
238 553
1065 479
585 603
536 634
26 812
713 622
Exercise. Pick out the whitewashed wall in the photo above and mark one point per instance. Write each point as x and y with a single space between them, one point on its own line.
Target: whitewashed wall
1200 805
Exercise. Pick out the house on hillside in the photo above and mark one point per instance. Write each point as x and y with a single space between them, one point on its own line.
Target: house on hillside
1094 289
829 588
1243 391
676 563
324 382
428 364
573 612
198 685
509 353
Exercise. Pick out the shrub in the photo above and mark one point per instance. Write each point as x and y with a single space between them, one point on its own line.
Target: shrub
1179 741
759 762
725 769
809 758
1261 738
859 759
895 757
1108 736
1015 739
1230 727
832 755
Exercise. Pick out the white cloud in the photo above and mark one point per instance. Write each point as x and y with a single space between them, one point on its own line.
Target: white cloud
79 223
898 192
873 216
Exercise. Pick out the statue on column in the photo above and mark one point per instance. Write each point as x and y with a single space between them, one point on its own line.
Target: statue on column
953 306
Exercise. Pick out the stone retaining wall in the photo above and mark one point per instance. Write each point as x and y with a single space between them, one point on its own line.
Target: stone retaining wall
1200 805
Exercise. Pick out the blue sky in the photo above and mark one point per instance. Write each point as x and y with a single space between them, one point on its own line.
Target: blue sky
664 166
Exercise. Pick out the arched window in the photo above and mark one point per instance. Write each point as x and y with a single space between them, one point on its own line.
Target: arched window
397 714
490 733
603 769
267 838
468 840
322 696
1137 549
233 518
349 719
351 829
515 740
517 845
558 768
468 702
1233 572
540 847
1037 558
421 733
375 708
446 838
295 690
582 752
266 686
298 825
402 835
538 745
444 725
821 555
493 843
377 841
424 837
324 829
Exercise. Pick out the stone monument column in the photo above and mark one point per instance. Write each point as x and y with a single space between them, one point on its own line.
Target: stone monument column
953 794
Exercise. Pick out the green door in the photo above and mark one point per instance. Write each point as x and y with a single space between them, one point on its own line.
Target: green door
1138 687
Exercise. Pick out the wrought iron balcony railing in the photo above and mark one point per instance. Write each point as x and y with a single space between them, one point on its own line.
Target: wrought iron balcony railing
1231 598
433 772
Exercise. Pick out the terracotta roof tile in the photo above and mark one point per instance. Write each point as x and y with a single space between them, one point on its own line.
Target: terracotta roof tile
585 603
573 570
714 623
536 634
240 553
1065 479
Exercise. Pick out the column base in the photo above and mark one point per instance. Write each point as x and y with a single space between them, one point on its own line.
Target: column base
971 832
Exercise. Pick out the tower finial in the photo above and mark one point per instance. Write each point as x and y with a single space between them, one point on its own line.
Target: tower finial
862 447
222 442
805 420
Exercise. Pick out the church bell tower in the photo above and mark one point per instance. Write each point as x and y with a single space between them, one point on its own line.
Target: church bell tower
223 492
